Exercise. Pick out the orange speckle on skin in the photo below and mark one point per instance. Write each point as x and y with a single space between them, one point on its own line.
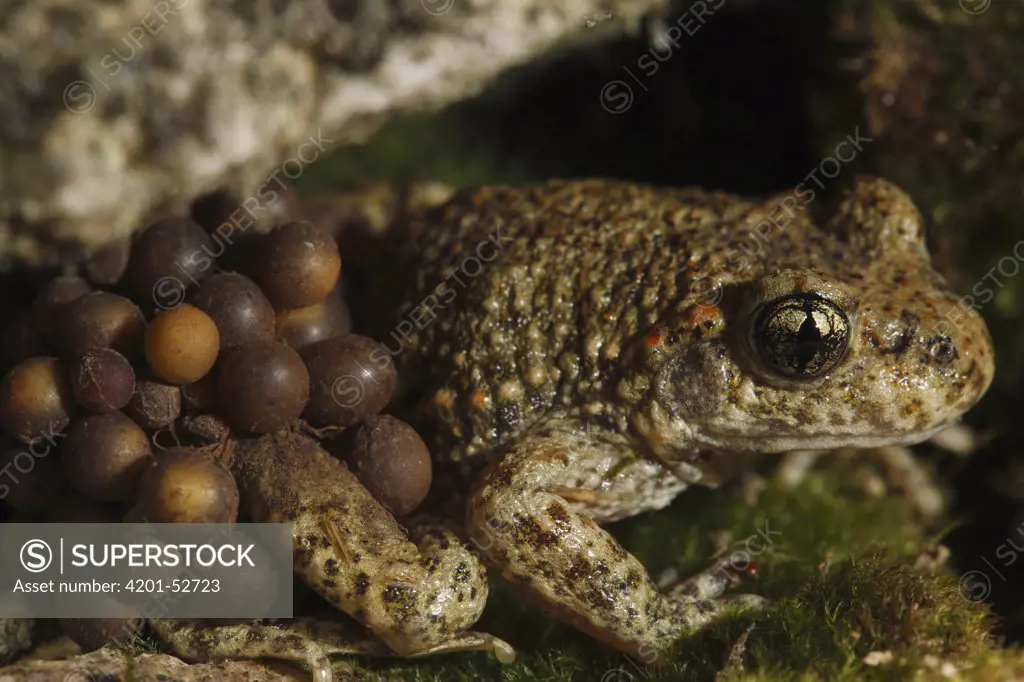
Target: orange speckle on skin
703 313
478 400
444 399
655 336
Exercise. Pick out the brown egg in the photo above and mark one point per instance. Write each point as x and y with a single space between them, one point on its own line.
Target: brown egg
391 460
301 327
262 387
353 378
186 486
105 455
238 307
167 257
36 399
103 320
182 344
102 380
300 265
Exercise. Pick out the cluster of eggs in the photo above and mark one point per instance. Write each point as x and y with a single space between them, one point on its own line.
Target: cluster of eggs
121 386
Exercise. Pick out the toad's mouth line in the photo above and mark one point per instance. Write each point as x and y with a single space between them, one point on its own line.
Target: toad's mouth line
775 443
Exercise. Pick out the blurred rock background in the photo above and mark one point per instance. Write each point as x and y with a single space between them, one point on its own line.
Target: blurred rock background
112 110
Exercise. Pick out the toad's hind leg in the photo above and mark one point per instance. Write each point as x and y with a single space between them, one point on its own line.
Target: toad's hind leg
416 587
336 637
197 640
535 516
305 640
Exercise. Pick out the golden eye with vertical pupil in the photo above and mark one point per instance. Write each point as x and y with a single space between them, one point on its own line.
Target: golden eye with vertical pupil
800 336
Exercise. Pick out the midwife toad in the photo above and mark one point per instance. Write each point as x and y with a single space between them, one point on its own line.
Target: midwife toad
607 344
585 350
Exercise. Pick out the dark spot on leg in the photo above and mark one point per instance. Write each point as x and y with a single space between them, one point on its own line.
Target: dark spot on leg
362 582
528 530
558 514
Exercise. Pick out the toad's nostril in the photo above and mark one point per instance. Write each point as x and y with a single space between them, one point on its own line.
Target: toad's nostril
942 349
911 325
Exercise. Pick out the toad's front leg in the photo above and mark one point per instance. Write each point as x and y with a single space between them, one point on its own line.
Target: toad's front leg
535 516
418 593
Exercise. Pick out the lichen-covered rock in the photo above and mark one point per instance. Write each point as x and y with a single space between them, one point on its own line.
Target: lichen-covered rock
15 636
112 110
112 665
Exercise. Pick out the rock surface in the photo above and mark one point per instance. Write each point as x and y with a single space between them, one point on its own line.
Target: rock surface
111 111
113 666
15 636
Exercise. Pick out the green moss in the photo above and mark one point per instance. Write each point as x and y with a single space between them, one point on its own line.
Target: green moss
415 148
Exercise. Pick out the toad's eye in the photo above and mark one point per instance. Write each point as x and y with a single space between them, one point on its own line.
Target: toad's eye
800 336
